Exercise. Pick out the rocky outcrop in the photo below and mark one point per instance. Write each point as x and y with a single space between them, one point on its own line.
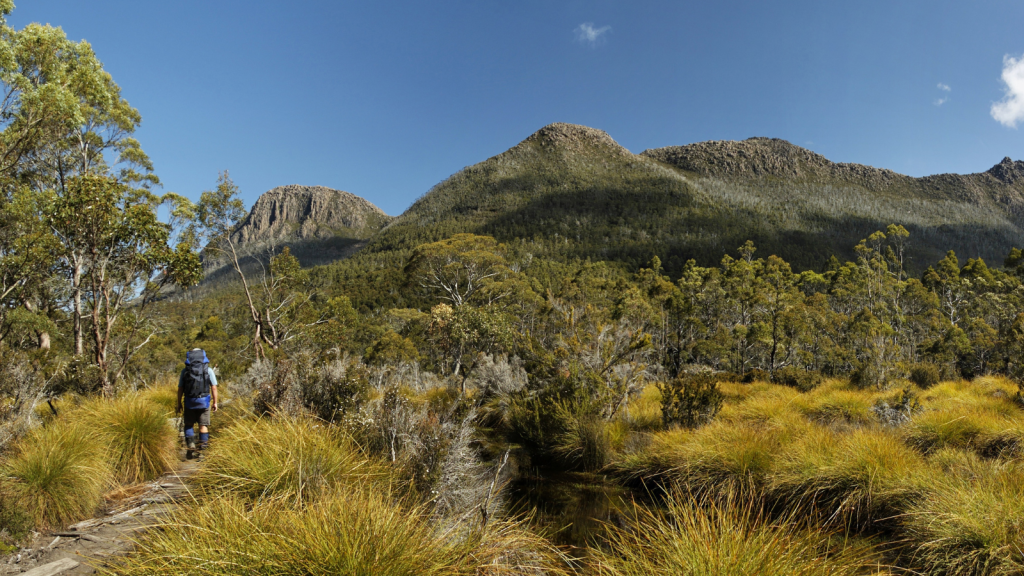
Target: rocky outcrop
303 213
318 224
571 139
757 158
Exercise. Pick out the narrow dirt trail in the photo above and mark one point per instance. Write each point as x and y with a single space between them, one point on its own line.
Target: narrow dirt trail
82 547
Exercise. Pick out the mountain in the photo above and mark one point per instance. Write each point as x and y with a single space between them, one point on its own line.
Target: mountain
317 223
571 191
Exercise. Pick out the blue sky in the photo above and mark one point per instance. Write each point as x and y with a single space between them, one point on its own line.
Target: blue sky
387 99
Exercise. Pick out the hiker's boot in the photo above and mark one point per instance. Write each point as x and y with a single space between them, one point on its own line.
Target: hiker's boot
190 452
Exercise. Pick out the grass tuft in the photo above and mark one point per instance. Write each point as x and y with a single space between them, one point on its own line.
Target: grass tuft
857 478
694 537
971 522
348 530
141 443
57 474
292 459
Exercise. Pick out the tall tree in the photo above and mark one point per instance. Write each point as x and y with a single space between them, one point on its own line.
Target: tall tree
217 215
125 261
61 115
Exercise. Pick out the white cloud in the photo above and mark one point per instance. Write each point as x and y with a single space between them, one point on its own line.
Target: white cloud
587 34
942 101
944 87
1010 109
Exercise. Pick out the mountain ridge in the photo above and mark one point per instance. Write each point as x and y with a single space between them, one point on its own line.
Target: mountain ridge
572 192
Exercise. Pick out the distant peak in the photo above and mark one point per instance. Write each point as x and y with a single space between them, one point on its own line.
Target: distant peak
573 137
1008 171
754 156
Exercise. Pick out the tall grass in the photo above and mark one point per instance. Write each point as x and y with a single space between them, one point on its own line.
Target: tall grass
971 521
721 458
164 395
291 459
695 537
855 479
56 474
979 415
349 530
141 443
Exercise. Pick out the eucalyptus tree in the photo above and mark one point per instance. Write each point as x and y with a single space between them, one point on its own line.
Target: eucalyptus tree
61 116
216 218
126 259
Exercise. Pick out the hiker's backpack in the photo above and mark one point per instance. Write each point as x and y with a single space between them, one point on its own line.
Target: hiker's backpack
197 381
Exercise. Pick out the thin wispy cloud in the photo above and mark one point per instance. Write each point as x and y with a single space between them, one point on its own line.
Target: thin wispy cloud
942 99
586 33
1010 109
944 87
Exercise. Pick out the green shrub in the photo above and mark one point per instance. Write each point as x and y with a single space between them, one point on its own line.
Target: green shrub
802 380
391 348
924 374
57 474
756 375
866 376
335 389
691 400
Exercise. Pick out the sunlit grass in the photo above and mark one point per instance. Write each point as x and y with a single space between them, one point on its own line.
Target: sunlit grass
348 530
694 537
139 441
854 478
56 474
294 460
971 520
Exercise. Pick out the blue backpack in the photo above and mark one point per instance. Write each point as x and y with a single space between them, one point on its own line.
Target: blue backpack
197 381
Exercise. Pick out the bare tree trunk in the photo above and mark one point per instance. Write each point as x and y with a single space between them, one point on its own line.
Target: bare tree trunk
76 285
42 336
258 325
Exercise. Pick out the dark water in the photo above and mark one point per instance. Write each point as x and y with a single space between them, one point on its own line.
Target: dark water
572 508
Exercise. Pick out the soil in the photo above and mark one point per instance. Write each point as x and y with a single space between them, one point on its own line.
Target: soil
83 547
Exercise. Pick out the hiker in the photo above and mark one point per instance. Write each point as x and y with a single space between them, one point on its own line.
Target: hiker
197 385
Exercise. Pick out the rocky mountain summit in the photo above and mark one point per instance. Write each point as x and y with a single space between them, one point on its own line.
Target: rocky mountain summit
318 224
287 214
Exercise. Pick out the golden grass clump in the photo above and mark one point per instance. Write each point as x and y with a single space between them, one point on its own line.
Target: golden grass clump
720 458
971 522
836 402
57 474
854 478
696 537
141 443
292 459
164 395
766 405
348 530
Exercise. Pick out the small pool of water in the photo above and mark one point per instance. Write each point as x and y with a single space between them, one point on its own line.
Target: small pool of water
571 508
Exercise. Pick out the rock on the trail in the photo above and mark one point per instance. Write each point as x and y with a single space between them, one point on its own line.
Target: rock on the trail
52 568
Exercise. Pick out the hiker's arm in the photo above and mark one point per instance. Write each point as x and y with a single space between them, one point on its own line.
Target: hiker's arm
213 389
181 392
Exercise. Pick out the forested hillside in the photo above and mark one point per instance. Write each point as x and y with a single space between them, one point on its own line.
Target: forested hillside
572 192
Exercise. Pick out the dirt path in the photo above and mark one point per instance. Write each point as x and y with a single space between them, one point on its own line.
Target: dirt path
87 544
